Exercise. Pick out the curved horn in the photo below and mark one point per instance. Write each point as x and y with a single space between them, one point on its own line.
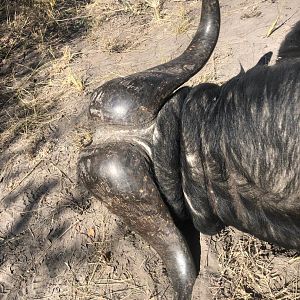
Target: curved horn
120 175
136 99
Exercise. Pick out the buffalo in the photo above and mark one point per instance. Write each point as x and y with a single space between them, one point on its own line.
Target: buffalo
163 155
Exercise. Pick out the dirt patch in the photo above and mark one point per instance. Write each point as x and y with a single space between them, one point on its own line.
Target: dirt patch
57 242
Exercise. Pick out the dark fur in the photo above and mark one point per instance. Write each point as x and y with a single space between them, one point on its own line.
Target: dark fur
240 150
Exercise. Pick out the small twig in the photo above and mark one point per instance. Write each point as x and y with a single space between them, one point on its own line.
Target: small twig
274 28
68 229
93 274
31 232
62 172
57 238
22 180
74 18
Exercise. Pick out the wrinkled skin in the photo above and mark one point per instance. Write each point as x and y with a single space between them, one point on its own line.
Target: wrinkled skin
215 155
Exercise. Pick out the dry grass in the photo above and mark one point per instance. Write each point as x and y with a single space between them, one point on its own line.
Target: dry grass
253 269
184 23
103 11
156 5
38 23
32 35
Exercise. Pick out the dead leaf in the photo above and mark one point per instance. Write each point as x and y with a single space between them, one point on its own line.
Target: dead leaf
91 233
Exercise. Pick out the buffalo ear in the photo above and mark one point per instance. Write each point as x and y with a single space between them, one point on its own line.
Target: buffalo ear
290 47
242 70
265 59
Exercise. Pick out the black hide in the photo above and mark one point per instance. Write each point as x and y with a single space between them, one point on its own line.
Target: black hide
215 155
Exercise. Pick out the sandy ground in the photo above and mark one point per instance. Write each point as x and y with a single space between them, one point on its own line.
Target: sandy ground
57 242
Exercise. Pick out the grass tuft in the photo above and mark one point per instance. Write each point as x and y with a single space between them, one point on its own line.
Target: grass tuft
32 35
254 269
